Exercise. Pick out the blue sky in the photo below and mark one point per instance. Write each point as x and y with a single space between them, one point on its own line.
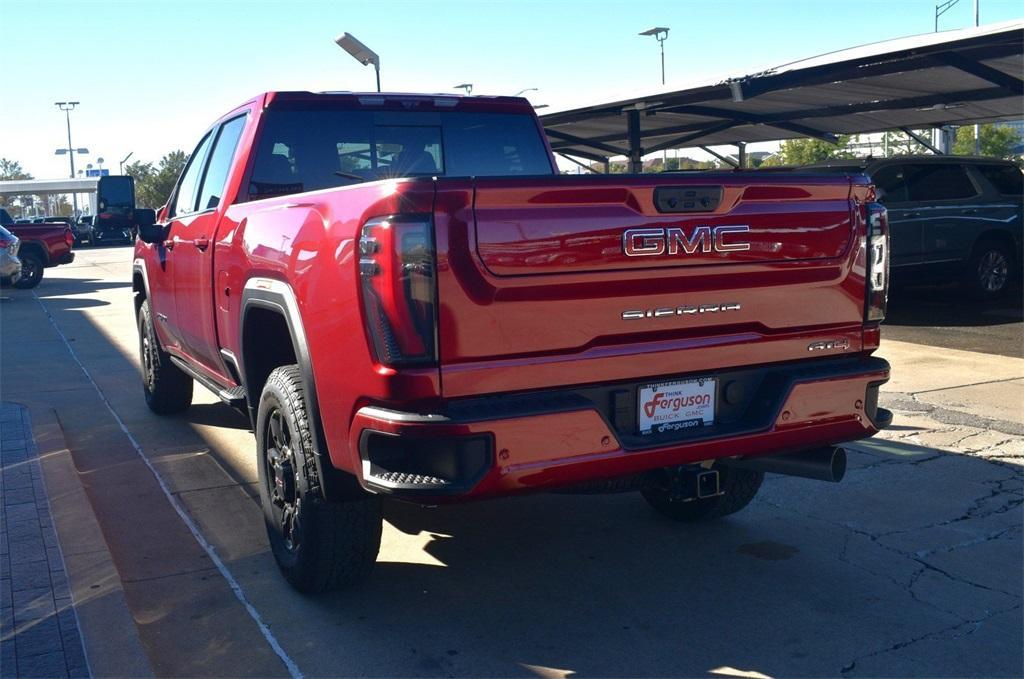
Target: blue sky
151 75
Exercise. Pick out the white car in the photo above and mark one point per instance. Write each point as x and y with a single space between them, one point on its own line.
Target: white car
10 265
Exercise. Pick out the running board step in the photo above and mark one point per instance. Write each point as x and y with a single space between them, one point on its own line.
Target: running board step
408 480
234 397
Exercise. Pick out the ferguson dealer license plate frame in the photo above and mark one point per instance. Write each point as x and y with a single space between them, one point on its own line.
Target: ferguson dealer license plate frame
675 406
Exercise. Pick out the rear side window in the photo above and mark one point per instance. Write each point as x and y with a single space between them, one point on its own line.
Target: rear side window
220 162
185 198
310 149
938 181
1007 179
891 184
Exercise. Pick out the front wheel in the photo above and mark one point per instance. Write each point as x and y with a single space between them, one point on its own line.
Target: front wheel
168 390
31 271
738 487
318 544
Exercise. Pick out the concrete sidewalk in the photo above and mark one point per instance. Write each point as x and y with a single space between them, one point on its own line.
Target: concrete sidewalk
39 634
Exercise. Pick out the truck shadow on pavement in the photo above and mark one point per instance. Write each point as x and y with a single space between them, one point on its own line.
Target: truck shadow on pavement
812 579
949 307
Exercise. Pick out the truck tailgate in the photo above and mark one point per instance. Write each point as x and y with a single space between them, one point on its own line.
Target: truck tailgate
574 280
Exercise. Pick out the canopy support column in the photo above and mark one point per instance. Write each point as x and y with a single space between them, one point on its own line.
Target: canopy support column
742 156
636 163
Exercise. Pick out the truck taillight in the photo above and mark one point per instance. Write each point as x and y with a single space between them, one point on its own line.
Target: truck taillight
877 261
397 275
69 237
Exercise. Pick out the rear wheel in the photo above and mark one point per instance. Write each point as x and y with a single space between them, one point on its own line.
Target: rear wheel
168 390
991 270
318 544
31 270
738 486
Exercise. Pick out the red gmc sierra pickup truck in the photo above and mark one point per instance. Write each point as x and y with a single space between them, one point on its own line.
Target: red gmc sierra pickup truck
42 246
409 300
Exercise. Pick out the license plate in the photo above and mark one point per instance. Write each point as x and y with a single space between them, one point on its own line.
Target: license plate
674 406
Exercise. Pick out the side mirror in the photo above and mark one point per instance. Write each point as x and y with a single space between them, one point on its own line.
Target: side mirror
115 201
149 230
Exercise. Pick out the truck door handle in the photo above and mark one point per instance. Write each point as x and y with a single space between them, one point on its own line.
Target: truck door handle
911 215
170 243
202 243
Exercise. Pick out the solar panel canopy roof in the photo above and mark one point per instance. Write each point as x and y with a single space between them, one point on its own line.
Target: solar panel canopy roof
950 78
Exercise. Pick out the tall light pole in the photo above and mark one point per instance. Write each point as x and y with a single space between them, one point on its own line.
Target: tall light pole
359 52
125 160
977 127
68 107
660 34
528 89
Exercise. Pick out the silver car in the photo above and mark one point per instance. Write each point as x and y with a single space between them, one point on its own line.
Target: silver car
10 265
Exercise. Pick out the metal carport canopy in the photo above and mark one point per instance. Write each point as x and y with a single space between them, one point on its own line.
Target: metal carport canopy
955 77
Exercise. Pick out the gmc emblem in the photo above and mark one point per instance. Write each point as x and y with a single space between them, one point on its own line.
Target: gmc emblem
652 242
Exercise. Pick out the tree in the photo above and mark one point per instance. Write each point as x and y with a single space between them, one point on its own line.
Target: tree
12 170
902 144
153 185
996 140
806 151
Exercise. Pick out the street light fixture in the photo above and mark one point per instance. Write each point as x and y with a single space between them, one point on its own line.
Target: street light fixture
660 34
360 52
528 89
464 86
125 160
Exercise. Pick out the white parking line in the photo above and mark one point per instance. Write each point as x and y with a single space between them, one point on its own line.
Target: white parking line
293 669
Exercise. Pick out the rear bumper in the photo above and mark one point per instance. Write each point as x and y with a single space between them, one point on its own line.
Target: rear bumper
501 445
66 258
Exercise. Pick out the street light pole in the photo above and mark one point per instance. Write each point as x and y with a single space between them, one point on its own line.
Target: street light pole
68 107
977 127
125 160
660 34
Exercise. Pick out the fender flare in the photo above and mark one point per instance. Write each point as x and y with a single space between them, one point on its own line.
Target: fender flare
277 296
139 267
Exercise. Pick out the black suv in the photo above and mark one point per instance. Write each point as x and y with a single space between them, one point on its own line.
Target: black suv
951 217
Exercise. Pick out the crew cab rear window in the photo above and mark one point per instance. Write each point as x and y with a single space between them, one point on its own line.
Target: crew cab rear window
1007 179
310 149
927 182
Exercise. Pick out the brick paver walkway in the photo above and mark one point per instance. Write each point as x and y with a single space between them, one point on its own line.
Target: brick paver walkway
38 629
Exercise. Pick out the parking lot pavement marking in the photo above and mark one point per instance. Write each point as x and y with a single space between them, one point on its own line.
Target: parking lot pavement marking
39 628
236 588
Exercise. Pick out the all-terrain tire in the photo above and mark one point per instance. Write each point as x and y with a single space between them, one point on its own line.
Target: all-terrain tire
991 271
31 270
318 544
168 390
739 486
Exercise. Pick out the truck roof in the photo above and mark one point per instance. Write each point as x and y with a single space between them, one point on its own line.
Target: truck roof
390 99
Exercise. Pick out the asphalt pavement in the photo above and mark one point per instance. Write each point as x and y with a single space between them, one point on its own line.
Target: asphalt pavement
912 566
942 316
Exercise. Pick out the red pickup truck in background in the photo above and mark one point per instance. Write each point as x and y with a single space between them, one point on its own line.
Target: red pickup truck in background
409 300
42 246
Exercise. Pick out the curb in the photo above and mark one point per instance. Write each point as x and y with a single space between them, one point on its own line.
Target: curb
108 630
